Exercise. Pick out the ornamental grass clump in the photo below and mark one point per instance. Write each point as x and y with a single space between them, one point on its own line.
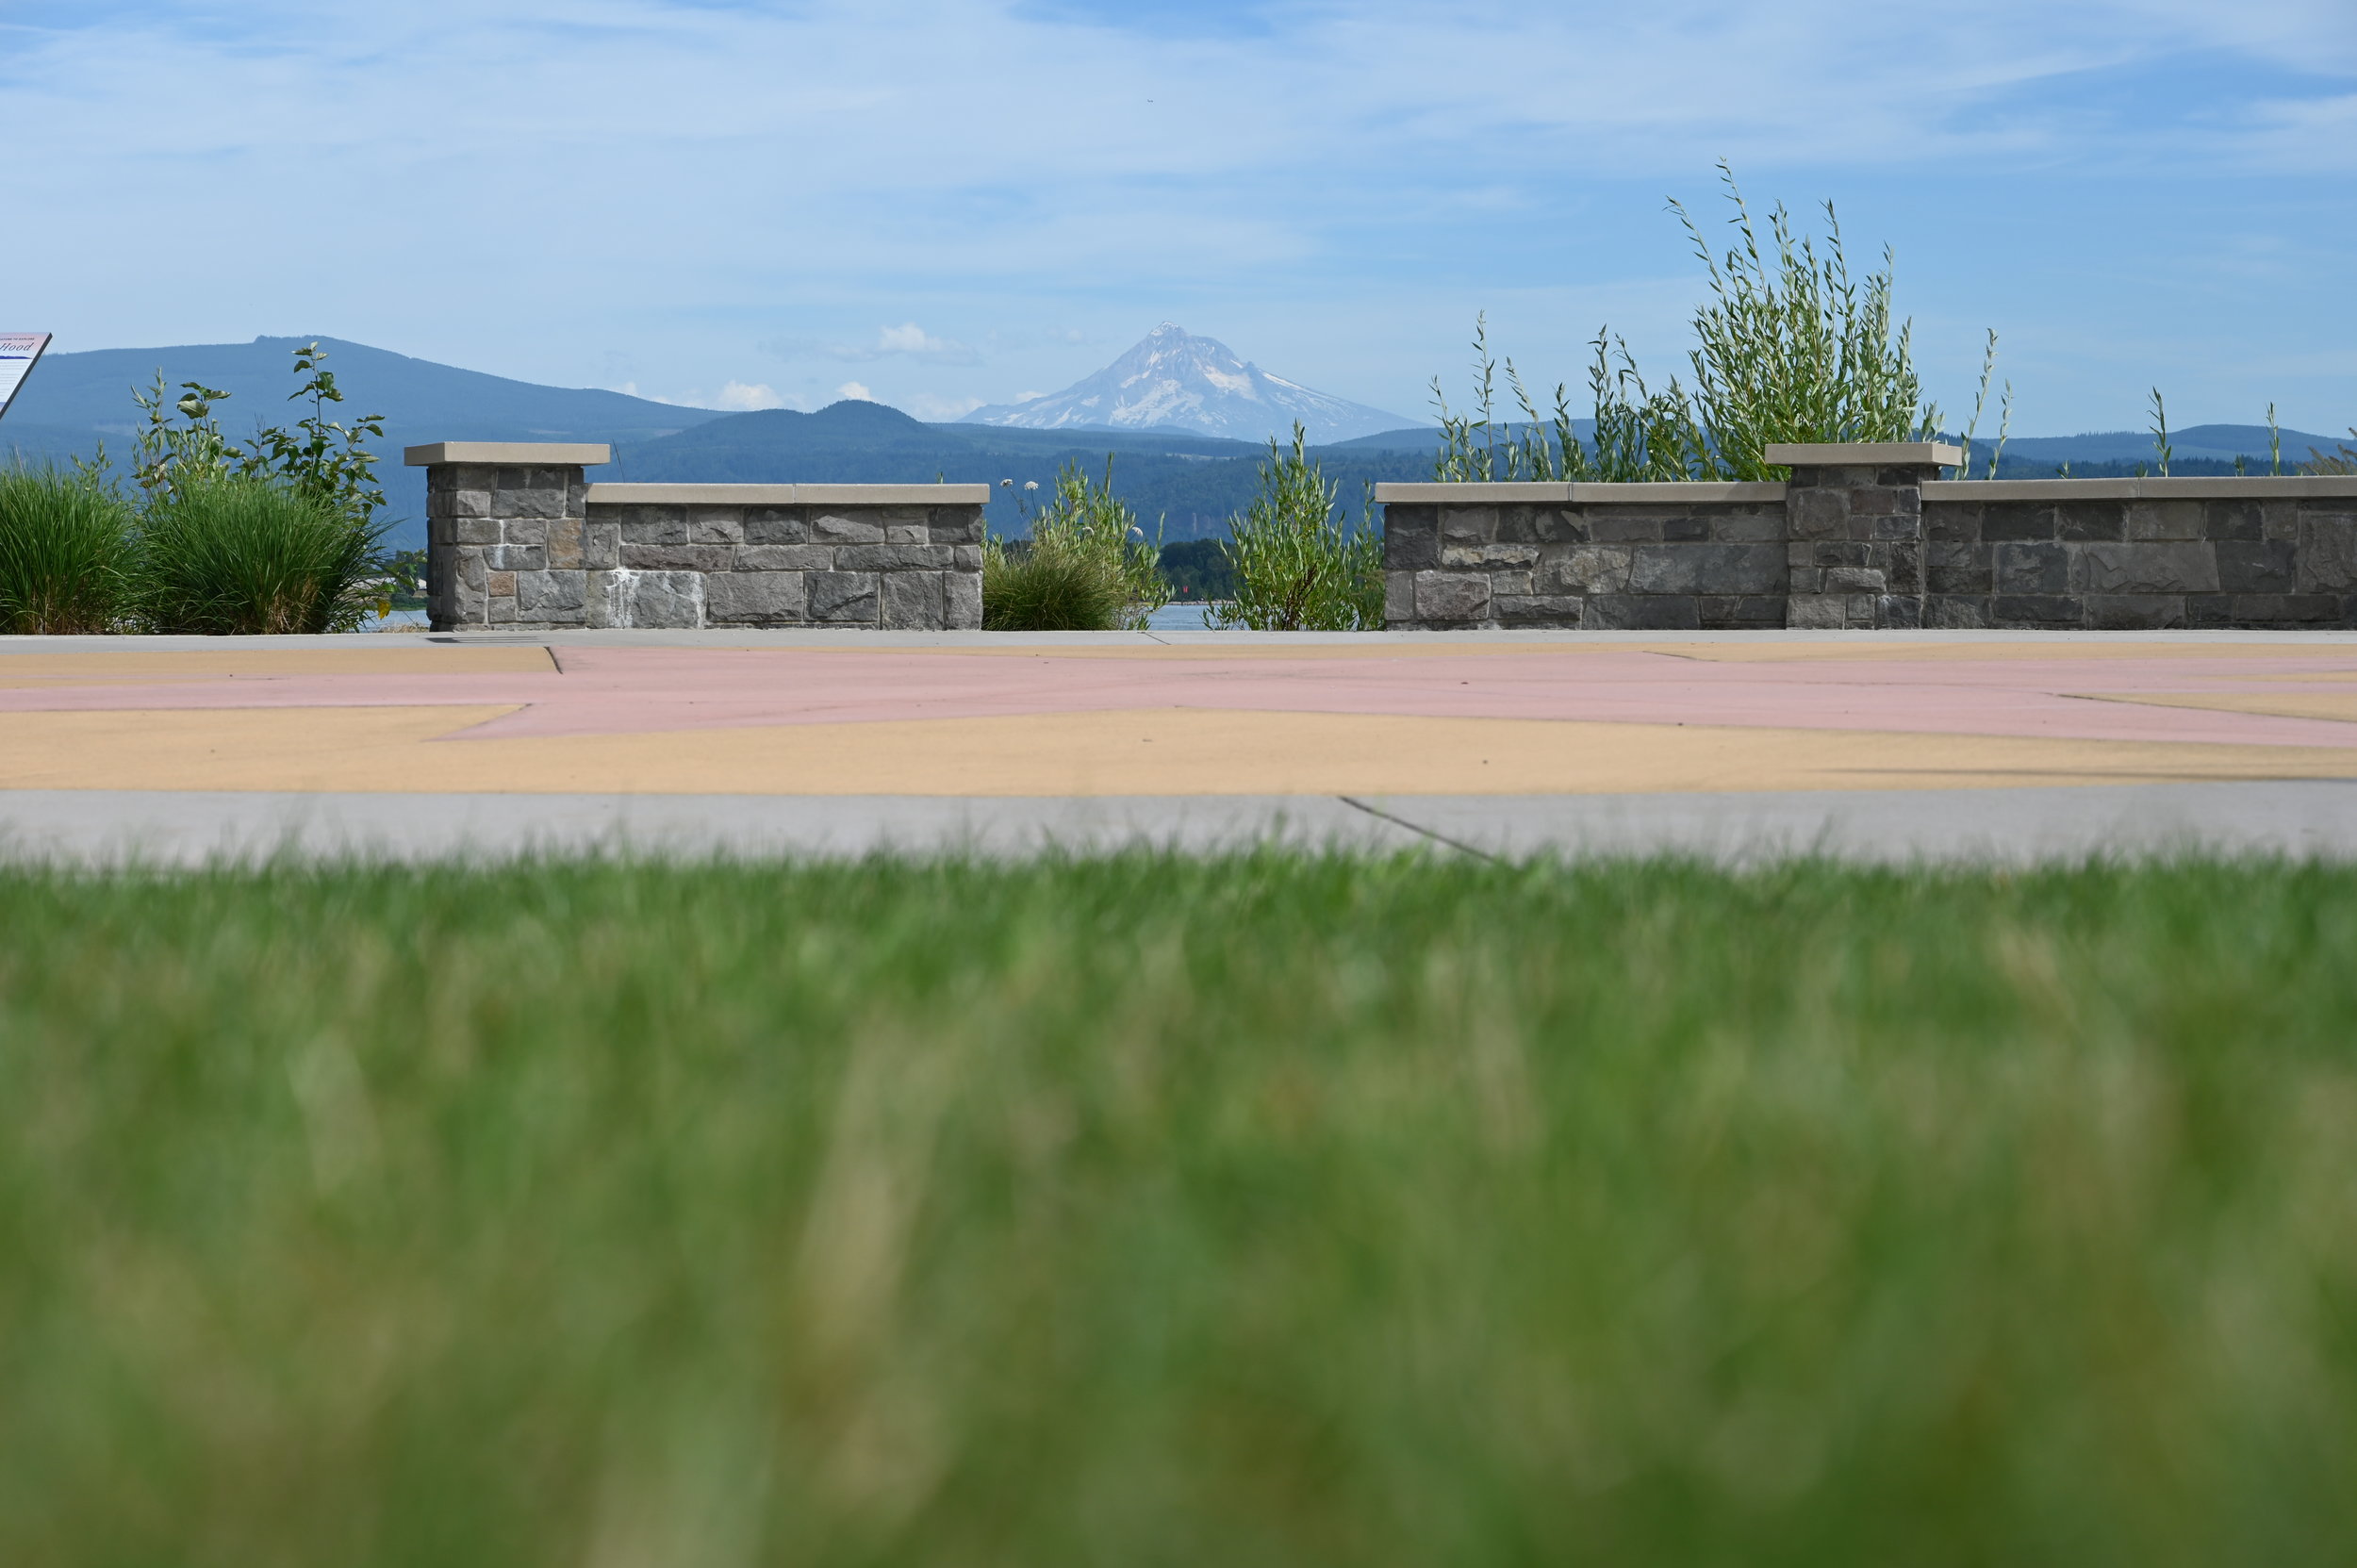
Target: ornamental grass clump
238 556
1296 569
1087 567
65 551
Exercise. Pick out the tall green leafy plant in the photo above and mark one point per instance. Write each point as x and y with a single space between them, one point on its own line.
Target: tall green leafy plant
1296 569
1793 344
65 552
327 462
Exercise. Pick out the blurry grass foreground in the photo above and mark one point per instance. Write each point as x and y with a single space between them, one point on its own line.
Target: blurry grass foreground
1260 1210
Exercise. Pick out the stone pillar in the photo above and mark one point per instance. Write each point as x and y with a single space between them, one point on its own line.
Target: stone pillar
1855 520
505 533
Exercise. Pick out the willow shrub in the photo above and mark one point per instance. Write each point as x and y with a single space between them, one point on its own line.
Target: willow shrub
65 550
1296 569
238 556
1791 345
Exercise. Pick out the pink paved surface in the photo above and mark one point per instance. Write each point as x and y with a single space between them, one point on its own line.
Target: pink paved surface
617 691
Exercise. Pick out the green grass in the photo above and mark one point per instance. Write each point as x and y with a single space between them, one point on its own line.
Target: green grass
244 557
65 552
1272 1211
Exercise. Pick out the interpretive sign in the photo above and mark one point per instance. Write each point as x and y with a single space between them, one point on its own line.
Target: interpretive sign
18 351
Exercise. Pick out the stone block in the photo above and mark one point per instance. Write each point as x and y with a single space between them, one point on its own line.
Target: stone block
1623 527
756 599
666 598
2118 612
564 544
1839 552
2086 520
2151 521
1747 527
530 502
2328 553
1885 500
1540 525
1585 569
650 524
1903 610
1469 524
471 571
1886 526
2244 520
843 598
677 557
909 601
2017 522
1958 567
1480 555
1685 530
475 530
776 525
1535 609
2023 609
469 504
1641 612
2038 569
1817 513
2139 569
1956 611
1804 580
1855 579
962 601
954 525
1688 568
1399 598
1817 612
601 546
1452 596
905 533
784 557
441 532
716 524
515 557
892 557
1741 613
966 557
827 527
1516 582
500 610
551 596
2288 609
1952 521
2256 565
499 585
524 530
1411 538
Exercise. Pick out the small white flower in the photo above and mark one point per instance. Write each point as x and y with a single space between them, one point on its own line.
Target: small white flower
1006 483
1030 484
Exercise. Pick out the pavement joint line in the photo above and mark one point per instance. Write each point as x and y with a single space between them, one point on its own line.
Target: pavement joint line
1458 845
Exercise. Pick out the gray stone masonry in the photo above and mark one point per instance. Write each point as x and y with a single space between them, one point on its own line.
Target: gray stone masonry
1871 537
515 543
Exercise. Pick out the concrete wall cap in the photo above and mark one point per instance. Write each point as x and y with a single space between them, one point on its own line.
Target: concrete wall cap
1673 493
512 454
2203 488
623 493
1813 454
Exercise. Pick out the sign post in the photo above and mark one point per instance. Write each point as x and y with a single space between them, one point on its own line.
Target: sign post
18 353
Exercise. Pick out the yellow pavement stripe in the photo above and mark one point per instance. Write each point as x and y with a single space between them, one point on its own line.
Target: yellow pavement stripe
399 660
2340 706
1157 752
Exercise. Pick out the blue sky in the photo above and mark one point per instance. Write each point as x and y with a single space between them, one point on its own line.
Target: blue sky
944 202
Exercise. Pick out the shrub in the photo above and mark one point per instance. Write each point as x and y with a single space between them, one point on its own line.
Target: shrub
1088 567
1791 347
1297 569
65 543
239 557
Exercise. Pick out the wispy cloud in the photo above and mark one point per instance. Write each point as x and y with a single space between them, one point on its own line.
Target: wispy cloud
909 339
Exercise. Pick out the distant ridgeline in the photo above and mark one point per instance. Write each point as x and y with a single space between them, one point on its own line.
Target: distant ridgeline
1192 483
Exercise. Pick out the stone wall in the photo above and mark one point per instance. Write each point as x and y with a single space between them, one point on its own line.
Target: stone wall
516 537
1869 537
2106 553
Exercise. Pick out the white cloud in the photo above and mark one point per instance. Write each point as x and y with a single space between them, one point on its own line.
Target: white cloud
926 405
910 340
854 390
741 397
1028 397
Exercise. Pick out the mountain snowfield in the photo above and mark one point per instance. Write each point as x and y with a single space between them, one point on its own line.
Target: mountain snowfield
1175 380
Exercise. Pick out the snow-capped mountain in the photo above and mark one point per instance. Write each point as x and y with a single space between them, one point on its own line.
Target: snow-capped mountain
1176 380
